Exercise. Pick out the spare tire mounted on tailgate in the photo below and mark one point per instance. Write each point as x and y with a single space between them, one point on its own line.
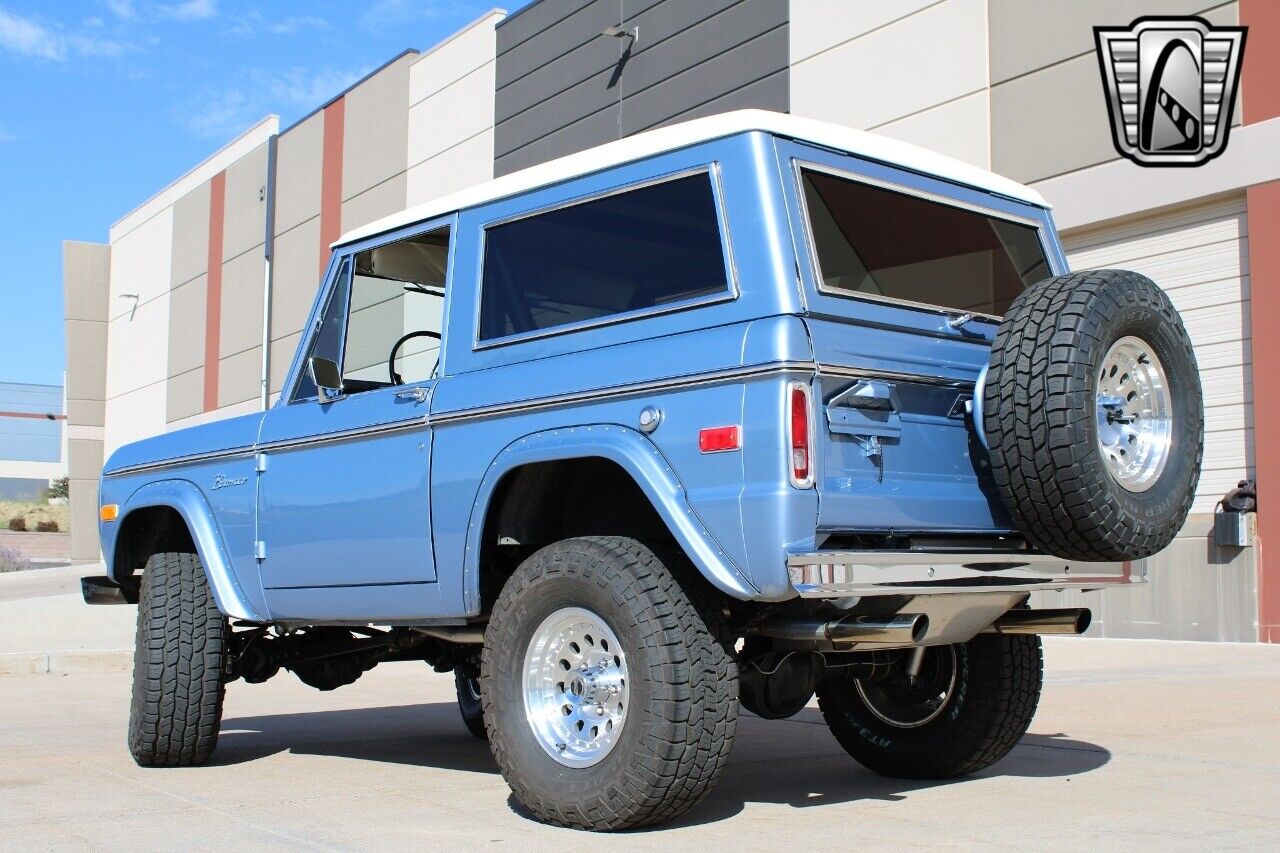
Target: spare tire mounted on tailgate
1093 416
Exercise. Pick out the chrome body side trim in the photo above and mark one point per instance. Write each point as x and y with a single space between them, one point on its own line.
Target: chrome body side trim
891 376
837 574
175 461
674 383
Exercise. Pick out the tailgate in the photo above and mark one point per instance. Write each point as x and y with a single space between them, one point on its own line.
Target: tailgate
896 446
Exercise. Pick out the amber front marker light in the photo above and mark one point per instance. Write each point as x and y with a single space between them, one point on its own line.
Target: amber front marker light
109 512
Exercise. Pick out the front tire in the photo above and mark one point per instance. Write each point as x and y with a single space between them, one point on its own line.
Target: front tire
179 665
610 699
969 706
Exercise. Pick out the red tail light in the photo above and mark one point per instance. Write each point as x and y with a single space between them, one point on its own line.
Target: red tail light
715 439
799 436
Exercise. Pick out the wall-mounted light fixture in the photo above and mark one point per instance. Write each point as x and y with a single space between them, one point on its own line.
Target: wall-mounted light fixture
622 33
135 298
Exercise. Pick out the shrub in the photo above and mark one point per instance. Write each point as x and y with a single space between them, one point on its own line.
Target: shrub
12 561
49 526
18 523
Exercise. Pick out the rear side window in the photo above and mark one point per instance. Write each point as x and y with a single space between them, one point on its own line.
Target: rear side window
875 241
635 251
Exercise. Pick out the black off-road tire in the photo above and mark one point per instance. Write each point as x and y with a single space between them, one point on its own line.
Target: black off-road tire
179 665
998 681
470 705
683 680
1040 417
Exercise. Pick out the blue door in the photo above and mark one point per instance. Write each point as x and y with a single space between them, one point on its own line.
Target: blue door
344 516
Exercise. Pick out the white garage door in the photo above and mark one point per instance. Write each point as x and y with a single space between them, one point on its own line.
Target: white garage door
1199 255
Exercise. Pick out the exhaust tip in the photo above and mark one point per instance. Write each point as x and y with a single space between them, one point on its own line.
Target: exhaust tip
1084 618
920 628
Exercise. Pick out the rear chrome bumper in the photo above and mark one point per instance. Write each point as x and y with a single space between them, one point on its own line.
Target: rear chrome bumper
836 574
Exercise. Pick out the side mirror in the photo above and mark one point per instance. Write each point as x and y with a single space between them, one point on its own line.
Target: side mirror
327 379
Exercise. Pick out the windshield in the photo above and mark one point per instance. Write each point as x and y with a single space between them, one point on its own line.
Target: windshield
879 242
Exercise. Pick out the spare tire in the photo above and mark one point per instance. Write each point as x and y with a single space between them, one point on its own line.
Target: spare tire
1093 416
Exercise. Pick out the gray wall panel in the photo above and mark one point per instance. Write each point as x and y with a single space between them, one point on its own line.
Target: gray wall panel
555 71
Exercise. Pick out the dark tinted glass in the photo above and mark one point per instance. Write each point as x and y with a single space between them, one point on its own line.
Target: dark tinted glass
636 250
877 241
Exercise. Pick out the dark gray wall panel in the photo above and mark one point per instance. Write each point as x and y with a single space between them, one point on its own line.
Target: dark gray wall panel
561 88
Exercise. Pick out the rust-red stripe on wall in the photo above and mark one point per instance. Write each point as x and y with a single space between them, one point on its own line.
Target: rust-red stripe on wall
39 416
1263 202
1259 94
331 178
213 292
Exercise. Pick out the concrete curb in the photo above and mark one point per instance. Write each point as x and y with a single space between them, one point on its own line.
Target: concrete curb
66 663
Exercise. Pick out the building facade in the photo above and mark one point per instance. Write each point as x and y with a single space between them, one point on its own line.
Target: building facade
33 447
193 308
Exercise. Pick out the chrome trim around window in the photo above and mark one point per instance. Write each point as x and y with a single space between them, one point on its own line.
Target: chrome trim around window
845 372
798 166
729 294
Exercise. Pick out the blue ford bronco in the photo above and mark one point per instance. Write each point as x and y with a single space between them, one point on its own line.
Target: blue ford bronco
722 415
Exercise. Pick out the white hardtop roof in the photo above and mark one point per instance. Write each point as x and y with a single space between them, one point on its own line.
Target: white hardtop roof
871 146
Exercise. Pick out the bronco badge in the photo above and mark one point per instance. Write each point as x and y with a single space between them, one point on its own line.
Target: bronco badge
222 482
1170 85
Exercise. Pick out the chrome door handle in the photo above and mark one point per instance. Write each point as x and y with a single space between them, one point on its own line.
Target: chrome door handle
417 394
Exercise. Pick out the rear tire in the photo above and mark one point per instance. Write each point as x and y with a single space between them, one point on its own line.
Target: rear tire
665 687
1093 415
179 665
988 707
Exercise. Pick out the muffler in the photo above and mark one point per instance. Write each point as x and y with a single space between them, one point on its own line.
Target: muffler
902 629
1067 620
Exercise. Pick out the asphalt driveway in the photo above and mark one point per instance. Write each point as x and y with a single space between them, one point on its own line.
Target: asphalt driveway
1137 745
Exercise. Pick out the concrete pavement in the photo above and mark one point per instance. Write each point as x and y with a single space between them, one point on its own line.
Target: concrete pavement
1137 745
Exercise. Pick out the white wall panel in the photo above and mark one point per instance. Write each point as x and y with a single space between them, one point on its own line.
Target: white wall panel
140 413
140 263
464 165
960 129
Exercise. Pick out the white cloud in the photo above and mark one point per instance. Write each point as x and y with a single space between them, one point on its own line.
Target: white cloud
122 9
191 10
222 114
255 23
390 13
26 37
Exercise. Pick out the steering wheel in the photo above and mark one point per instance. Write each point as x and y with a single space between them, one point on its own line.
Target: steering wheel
391 362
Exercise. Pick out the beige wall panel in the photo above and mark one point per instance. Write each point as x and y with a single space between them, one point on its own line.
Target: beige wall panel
84 458
374 203
84 412
948 39
187 304
185 396
190 236
139 413
86 276
1030 35
140 263
85 547
1050 122
298 165
818 25
294 277
244 221
960 129
86 359
239 377
454 59
375 130
452 115
282 352
241 324
137 347
462 166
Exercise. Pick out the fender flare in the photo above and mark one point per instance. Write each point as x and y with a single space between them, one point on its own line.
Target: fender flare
185 498
645 464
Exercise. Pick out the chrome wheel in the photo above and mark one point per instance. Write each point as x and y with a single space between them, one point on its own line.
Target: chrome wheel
575 687
1135 414
908 703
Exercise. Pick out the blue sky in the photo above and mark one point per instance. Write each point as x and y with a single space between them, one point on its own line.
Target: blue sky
104 102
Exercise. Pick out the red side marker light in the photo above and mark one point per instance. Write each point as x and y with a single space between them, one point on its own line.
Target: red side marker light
716 439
